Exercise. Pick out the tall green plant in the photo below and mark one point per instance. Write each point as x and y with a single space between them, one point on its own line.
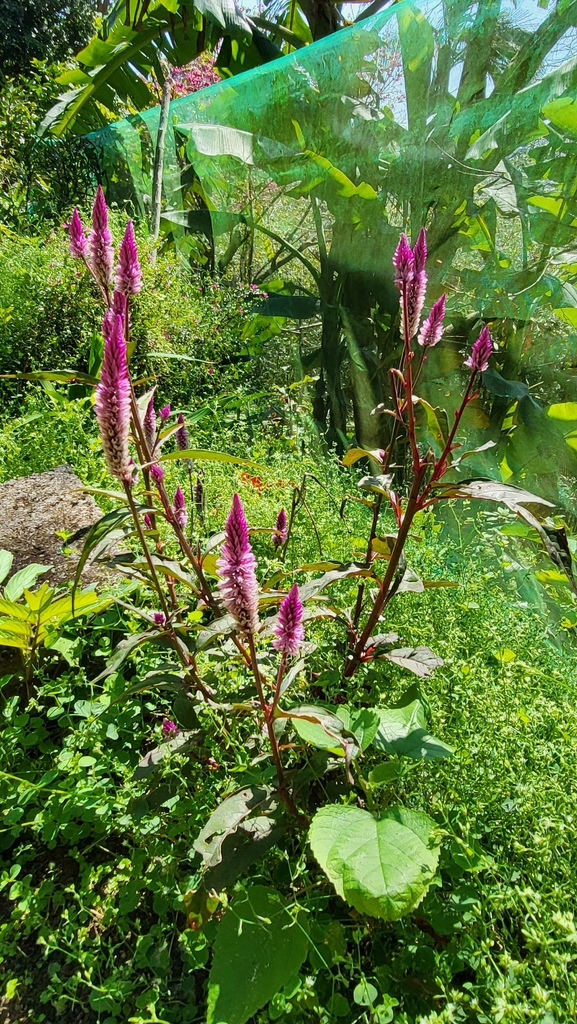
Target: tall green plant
381 857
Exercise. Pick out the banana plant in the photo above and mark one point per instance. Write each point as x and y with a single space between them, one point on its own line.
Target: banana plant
114 71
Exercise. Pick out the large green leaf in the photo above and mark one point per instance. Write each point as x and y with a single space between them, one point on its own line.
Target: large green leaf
384 867
259 946
404 731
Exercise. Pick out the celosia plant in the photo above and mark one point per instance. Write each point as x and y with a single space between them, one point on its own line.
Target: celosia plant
381 858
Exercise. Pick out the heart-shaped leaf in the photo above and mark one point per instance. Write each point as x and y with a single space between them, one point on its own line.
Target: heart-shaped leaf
380 867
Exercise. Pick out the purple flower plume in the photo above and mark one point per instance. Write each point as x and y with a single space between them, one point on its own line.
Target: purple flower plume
157 473
417 286
78 241
238 585
119 303
112 404
147 521
289 629
101 260
165 412
280 533
128 273
179 509
159 618
481 352
199 497
149 425
182 443
181 435
404 263
432 329
169 729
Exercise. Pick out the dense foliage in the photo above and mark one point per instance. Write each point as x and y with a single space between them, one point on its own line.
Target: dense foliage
47 30
145 818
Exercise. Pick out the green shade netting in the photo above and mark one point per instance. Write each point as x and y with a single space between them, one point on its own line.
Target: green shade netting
299 175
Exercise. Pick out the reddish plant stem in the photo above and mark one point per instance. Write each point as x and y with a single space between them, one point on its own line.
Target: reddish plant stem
268 712
408 372
440 466
412 508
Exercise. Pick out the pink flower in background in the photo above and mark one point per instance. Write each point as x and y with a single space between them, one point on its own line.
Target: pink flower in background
179 509
165 413
289 630
157 473
481 352
169 728
279 537
101 260
403 262
149 425
432 330
417 286
159 618
112 404
128 273
78 241
238 584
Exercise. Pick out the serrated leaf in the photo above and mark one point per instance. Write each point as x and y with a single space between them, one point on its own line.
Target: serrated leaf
383 867
259 947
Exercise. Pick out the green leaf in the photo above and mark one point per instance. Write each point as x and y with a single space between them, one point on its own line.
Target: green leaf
6 559
382 868
420 660
198 455
99 534
318 726
249 808
404 731
23 580
259 947
566 411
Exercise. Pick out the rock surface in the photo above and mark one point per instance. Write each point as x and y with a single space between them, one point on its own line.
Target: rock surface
33 509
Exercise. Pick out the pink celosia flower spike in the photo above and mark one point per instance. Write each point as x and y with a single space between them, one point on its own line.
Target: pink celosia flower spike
165 412
128 273
481 352
417 286
238 585
289 630
119 303
181 435
157 474
101 260
403 262
149 425
279 537
179 509
78 241
432 329
182 442
112 404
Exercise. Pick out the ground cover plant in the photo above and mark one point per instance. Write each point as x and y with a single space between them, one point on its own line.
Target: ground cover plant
285 824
